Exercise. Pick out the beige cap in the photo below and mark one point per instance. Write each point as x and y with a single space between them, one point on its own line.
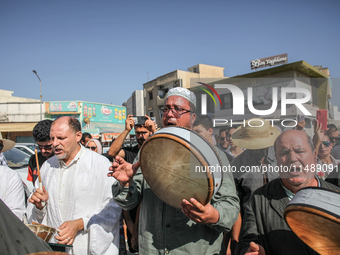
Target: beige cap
259 135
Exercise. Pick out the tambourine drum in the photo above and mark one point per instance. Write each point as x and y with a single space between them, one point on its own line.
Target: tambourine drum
48 253
170 160
314 216
44 232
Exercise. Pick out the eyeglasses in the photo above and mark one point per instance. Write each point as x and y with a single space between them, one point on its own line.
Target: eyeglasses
326 143
223 138
176 111
45 147
92 148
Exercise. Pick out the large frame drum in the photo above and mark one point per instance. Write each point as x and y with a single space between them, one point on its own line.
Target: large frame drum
314 216
170 160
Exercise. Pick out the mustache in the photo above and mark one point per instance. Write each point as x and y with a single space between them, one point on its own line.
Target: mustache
140 141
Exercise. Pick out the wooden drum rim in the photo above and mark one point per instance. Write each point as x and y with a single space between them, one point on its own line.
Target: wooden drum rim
180 136
311 209
191 149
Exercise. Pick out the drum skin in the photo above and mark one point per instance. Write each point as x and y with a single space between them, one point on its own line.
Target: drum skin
314 216
168 160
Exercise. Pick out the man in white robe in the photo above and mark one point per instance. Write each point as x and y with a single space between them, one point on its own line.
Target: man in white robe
12 191
11 186
77 194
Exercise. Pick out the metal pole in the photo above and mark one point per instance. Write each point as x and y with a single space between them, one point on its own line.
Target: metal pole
34 71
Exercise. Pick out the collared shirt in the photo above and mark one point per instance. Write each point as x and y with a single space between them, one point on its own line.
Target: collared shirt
291 194
66 176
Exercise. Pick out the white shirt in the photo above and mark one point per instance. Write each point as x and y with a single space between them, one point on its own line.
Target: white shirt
66 176
81 190
12 191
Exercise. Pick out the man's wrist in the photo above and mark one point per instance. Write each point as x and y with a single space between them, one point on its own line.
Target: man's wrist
126 184
127 131
80 224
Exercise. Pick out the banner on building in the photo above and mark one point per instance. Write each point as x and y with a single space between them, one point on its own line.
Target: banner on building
269 61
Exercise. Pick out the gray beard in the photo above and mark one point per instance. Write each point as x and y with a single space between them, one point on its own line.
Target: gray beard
61 156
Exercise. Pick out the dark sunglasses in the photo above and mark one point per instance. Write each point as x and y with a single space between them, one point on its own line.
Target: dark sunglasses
93 148
45 147
326 143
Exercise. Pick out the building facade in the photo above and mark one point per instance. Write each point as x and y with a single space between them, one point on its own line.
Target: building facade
261 85
18 116
135 104
155 90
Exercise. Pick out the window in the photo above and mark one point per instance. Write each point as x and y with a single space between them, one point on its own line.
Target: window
151 114
150 95
227 101
162 92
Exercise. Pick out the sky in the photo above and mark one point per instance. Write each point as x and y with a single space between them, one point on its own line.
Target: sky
101 51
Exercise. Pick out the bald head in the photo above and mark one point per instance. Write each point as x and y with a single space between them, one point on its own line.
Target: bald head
65 136
295 133
72 123
294 150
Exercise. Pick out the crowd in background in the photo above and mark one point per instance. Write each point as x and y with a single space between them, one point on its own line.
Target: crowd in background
79 197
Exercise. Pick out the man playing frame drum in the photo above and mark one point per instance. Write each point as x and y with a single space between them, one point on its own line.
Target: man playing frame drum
264 229
193 229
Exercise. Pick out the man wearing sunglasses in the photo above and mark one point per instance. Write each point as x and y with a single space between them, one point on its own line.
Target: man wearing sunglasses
41 135
223 143
333 134
326 161
193 229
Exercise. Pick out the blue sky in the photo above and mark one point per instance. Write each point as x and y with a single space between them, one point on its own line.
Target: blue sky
101 51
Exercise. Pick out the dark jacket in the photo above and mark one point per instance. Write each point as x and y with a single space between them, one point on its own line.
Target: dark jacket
334 177
263 222
248 181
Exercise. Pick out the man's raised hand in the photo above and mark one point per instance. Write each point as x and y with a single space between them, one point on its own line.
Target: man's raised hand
150 125
129 123
123 171
38 197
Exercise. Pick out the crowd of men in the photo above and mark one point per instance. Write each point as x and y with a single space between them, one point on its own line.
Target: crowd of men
84 193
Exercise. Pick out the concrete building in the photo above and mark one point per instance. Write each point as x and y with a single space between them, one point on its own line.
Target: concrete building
135 104
335 114
293 75
18 116
155 90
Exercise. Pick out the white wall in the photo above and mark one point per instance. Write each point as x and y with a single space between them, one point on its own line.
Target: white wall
21 112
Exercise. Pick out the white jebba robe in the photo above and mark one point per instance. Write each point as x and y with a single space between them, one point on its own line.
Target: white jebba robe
90 198
12 191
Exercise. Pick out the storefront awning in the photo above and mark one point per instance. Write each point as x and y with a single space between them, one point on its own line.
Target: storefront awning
17 127
106 130
108 127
